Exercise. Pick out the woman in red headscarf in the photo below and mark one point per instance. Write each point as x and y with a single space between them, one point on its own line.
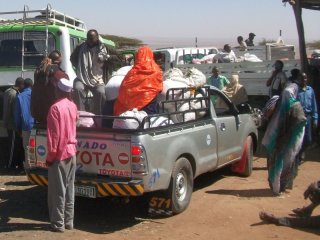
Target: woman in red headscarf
141 85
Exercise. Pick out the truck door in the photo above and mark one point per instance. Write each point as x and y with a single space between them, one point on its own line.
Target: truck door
228 139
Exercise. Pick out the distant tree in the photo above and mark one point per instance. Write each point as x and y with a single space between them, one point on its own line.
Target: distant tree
265 41
313 45
123 42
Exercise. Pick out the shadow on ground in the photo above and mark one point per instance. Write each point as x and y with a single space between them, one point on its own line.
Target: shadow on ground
246 193
102 215
27 203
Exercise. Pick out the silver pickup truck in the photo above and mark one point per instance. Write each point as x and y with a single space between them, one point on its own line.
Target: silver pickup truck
163 160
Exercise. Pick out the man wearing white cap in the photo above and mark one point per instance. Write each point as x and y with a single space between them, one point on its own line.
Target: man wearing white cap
61 157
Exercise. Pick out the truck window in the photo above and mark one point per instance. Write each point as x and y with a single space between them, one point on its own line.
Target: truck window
220 104
160 59
11 48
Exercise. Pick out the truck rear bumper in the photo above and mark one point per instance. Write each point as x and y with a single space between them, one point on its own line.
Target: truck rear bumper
100 186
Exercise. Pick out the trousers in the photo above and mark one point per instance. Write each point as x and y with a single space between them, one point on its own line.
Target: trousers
61 175
79 97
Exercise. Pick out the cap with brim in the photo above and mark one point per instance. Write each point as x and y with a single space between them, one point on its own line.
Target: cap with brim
252 34
65 85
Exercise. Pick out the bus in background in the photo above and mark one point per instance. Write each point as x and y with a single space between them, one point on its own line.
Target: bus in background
26 40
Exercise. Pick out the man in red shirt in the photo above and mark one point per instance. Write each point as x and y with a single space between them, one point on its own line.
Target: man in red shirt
61 158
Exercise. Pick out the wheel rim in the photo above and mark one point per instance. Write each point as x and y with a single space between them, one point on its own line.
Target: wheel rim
181 186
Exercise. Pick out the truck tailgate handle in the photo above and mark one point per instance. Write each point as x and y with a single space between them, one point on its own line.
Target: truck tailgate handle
222 127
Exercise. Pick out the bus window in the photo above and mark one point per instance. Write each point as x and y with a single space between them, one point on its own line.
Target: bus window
11 48
74 42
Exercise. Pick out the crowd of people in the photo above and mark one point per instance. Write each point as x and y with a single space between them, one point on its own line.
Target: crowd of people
292 118
53 99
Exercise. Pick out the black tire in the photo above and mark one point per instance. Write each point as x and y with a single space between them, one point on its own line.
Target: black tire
249 158
181 185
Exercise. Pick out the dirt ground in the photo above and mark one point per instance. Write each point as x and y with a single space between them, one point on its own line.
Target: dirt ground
223 206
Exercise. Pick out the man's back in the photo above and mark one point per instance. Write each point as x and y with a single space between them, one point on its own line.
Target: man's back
8 107
23 119
61 123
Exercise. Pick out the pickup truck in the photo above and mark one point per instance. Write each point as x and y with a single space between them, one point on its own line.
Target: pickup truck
160 160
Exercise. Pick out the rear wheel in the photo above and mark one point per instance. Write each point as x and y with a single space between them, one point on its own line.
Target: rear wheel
181 185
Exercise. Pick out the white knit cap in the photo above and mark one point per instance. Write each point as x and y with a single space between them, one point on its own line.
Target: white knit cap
65 85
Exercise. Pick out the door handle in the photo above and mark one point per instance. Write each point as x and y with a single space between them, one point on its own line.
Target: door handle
222 127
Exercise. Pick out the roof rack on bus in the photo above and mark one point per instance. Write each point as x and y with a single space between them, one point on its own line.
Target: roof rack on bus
47 16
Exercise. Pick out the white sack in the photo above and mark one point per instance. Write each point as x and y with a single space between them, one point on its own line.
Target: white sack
196 77
85 121
130 123
114 83
159 121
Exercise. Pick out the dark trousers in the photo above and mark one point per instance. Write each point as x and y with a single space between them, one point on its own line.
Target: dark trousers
4 153
307 222
15 150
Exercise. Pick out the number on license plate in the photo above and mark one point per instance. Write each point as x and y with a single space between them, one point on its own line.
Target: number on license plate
85 191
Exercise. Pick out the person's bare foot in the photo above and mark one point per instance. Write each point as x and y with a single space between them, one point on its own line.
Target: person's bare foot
268 217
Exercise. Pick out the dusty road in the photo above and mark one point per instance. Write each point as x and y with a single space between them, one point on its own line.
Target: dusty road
223 206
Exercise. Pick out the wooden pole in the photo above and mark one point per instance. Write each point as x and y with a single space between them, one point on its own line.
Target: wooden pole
302 44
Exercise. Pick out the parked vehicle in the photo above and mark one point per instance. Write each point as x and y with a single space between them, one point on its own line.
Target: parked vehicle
253 75
25 41
160 160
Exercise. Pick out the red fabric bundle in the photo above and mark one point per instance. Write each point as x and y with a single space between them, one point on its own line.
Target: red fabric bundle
142 83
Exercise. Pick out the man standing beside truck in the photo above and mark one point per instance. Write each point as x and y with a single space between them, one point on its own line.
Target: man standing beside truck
61 158
277 80
22 116
89 60
14 140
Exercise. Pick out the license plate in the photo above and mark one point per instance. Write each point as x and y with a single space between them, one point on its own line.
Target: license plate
85 191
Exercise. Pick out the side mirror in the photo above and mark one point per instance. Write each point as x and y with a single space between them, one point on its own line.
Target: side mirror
244 108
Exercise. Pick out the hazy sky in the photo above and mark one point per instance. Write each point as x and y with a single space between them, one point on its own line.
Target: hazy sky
205 19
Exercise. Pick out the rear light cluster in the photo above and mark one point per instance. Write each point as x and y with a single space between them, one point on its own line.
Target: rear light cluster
32 151
139 160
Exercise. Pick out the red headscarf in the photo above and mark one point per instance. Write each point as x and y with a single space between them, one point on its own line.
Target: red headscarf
142 83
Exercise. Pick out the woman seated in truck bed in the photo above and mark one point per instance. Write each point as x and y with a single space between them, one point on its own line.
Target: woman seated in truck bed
141 85
235 91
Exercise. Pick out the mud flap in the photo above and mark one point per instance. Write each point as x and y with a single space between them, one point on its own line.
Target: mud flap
239 167
160 204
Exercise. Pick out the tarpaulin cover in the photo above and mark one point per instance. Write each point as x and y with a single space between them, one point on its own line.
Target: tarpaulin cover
142 83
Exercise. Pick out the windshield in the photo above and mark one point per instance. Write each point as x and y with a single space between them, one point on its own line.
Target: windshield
34 46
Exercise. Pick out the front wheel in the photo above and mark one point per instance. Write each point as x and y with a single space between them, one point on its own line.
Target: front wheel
181 185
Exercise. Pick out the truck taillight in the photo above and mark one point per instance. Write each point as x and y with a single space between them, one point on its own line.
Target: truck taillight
139 160
32 151
32 142
135 150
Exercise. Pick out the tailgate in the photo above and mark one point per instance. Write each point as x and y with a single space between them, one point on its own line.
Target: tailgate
97 153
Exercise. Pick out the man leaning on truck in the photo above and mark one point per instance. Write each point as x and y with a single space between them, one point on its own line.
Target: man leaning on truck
61 158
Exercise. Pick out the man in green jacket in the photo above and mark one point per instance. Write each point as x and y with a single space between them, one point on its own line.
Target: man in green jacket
14 140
